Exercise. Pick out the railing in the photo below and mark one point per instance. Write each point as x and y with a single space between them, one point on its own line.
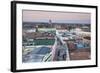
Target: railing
63 45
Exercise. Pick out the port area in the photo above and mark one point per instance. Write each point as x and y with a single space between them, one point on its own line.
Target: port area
45 46
46 42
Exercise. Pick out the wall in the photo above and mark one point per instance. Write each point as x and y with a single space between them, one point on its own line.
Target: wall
5 36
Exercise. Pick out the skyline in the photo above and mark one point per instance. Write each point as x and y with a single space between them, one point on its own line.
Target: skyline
60 17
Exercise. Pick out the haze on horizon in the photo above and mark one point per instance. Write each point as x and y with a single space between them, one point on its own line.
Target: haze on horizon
44 16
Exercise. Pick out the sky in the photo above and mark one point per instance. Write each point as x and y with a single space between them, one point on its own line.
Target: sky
65 17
